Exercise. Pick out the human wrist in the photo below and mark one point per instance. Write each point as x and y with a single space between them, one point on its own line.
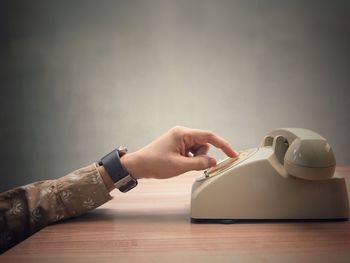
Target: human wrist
131 162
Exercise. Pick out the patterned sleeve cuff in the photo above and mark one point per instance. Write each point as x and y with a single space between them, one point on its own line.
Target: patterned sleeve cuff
81 191
27 209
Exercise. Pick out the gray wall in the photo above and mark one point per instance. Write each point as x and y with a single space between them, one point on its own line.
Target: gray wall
81 77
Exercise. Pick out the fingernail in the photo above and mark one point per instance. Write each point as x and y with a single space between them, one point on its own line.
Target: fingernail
212 162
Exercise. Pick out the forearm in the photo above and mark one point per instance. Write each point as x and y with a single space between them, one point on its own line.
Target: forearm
25 210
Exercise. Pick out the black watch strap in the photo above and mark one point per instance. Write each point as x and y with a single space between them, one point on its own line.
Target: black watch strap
120 176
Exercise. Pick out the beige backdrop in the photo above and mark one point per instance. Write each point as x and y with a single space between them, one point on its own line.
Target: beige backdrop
81 77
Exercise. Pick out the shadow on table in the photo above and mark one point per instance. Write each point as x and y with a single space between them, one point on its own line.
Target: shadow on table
264 221
106 214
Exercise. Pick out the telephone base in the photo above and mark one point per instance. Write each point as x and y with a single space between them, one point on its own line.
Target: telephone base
257 188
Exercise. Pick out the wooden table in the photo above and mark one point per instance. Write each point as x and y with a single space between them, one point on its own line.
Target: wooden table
152 224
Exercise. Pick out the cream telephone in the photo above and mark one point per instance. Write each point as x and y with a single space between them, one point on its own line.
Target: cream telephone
290 176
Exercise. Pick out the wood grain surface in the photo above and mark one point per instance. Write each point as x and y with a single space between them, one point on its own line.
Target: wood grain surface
152 223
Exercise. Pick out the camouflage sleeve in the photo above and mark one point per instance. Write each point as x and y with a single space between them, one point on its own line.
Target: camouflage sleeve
25 210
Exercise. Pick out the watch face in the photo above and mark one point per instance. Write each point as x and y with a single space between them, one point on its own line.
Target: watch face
128 186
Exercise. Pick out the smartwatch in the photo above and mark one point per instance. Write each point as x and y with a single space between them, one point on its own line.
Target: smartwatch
118 173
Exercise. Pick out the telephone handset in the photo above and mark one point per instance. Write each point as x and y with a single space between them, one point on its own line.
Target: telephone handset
304 153
290 176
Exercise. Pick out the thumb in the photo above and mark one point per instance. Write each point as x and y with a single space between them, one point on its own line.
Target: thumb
199 162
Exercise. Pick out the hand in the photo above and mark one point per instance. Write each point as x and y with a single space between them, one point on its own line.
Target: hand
177 151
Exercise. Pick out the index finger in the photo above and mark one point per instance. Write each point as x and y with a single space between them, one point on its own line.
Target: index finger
202 137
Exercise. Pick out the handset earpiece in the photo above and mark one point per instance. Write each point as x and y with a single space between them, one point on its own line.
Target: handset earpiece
310 159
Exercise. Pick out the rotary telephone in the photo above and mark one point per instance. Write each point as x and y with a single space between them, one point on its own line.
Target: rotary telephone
290 176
